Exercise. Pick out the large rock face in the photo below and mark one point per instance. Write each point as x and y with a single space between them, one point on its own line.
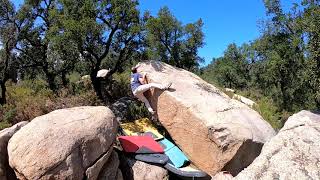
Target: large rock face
5 171
294 153
212 129
63 144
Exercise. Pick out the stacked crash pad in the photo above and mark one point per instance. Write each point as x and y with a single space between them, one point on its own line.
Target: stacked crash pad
141 137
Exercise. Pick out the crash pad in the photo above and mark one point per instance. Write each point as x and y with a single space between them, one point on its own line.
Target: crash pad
152 158
187 171
176 156
140 144
139 127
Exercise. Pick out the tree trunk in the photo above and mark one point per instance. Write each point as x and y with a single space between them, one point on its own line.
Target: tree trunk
106 88
3 99
96 83
286 101
52 84
64 79
50 78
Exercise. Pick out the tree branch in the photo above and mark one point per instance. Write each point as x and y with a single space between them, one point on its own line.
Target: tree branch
107 46
120 59
105 21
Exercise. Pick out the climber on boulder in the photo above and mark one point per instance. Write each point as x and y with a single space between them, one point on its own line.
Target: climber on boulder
139 85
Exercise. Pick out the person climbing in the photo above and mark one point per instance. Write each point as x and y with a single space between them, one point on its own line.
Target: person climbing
139 86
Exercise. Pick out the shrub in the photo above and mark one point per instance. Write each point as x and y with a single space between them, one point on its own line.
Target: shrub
30 99
121 85
4 123
26 101
269 112
138 111
87 98
77 85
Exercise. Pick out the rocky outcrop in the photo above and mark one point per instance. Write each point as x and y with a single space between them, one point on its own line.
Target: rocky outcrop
212 129
294 153
63 144
138 170
5 171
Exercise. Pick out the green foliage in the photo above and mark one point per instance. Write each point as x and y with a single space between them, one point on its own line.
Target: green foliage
26 101
8 38
310 23
9 115
4 124
32 98
268 110
105 33
138 111
169 41
121 85
231 70
55 39
280 69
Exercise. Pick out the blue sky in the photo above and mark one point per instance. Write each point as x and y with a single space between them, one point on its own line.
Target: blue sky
225 21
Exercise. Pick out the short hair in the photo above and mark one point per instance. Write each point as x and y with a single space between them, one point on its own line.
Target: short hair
134 70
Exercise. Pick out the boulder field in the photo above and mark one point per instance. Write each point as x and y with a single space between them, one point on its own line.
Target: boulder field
216 132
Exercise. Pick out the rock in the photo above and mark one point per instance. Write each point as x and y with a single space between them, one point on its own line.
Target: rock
244 100
222 176
229 90
62 144
212 129
119 175
102 73
5 171
110 169
93 171
85 77
294 153
138 170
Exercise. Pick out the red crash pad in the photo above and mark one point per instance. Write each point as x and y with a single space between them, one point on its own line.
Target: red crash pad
140 144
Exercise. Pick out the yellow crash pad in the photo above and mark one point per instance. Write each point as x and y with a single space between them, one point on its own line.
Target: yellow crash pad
140 126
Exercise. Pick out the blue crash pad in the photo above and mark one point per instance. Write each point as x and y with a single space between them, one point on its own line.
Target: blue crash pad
176 157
